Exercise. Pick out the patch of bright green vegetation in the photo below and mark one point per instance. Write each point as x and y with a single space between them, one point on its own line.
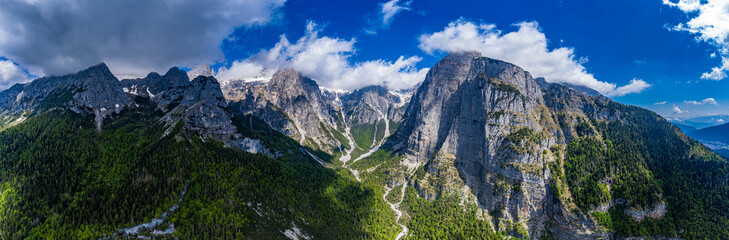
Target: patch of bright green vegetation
444 218
363 134
380 134
603 219
385 166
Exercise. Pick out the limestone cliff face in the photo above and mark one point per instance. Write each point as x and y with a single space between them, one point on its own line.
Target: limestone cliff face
426 119
297 107
292 104
203 109
94 90
485 126
370 104
9 97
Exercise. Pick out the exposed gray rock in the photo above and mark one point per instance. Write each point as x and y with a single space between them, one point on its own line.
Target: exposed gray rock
203 109
200 105
370 104
94 90
422 130
155 85
297 107
291 104
254 146
656 212
9 97
487 122
200 70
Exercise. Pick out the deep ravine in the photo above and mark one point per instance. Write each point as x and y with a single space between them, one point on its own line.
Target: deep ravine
346 157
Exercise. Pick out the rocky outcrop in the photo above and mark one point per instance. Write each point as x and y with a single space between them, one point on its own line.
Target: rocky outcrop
200 70
370 104
203 109
296 106
291 104
427 118
9 97
154 85
94 90
488 127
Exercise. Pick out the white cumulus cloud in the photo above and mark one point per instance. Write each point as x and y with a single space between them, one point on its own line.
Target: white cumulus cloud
709 21
527 48
326 60
660 103
635 86
678 110
132 36
11 73
702 102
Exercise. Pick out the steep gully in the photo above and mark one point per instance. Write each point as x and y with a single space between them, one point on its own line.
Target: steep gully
347 156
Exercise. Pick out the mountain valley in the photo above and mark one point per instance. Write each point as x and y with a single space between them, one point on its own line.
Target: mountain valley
480 149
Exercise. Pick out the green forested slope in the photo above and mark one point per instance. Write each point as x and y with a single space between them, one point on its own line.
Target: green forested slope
645 160
60 178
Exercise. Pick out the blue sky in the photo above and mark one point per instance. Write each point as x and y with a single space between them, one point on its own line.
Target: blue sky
632 51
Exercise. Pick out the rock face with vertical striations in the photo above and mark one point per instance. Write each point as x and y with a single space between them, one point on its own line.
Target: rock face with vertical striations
485 119
203 109
372 114
427 117
484 125
370 104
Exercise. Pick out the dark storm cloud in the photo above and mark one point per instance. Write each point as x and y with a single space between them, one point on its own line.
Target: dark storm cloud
132 36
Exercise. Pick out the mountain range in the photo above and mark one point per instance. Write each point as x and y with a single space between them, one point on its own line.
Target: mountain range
702 121
711 131
479 150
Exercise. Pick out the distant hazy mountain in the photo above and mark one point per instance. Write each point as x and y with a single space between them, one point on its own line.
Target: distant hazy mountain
703 121
684 128
716 137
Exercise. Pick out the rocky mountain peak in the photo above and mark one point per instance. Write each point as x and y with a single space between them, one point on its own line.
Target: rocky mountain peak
93 90
153 75
98 71
468 116
583 89
200 70
9 96
177 77
203 109
290 81
205 87
379 90
99 90
433 95
292 104
155 85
